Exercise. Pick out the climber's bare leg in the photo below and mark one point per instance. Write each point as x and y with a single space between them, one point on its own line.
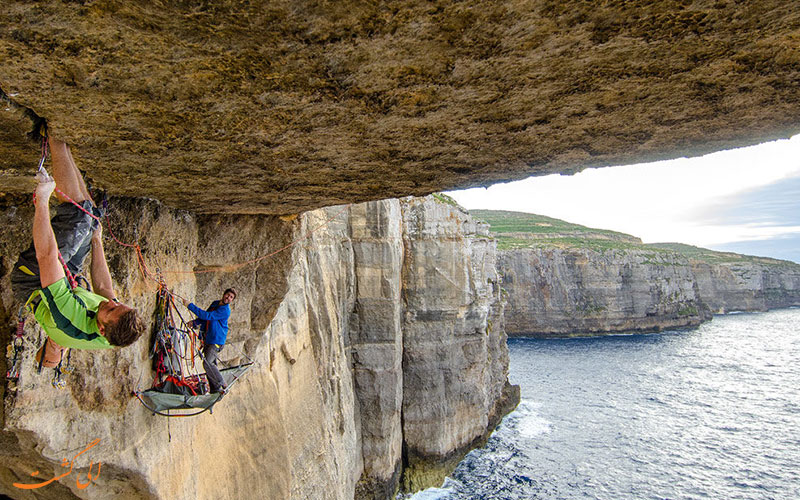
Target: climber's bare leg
81 182
68 178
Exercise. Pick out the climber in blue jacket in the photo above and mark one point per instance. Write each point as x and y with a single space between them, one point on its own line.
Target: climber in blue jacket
213 324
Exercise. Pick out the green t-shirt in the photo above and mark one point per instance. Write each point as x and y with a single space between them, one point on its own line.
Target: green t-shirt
69 317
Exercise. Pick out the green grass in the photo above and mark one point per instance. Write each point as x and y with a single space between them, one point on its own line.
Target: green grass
510 227
447 200
599 245
502 221
556 233
714 257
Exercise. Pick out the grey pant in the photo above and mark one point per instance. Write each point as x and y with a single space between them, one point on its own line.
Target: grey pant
73 230
215 380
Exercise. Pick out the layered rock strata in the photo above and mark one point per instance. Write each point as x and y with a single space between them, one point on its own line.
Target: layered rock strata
554 291
349 328
454 343
747 286
578 291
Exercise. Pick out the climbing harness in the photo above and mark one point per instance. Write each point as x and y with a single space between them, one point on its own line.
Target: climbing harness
175 350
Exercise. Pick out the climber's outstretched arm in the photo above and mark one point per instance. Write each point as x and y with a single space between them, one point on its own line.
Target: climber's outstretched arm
44 240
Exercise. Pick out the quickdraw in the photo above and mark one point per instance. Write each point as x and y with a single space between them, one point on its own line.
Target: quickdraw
61 369
40 169
15 348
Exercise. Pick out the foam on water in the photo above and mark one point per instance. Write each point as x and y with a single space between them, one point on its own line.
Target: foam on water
432 494
527 422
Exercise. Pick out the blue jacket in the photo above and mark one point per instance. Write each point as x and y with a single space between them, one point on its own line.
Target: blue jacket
216 318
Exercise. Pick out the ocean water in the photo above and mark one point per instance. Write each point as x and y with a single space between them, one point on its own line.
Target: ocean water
707 413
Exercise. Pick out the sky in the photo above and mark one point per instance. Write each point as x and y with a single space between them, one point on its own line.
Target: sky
743 200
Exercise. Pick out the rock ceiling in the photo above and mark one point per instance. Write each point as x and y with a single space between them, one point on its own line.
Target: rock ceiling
282 106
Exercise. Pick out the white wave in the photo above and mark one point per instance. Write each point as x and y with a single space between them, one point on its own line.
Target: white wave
533 426
431 494
527 422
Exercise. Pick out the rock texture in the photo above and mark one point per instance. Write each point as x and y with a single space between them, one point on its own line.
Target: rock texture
284 106
143 456
348 329
748 286
569 291
281 107
454 344
581 291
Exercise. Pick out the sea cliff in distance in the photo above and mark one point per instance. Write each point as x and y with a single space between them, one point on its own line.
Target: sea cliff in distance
564 279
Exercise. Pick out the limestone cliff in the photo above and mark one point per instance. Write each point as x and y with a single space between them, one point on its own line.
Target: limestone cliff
562 291
734 282
378 340
454 344
567 279
747 286
553 291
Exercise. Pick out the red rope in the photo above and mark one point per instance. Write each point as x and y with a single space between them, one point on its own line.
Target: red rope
180 383
139 257
73 283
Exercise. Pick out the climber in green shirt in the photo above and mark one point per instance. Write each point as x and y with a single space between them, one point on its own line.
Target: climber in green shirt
71 317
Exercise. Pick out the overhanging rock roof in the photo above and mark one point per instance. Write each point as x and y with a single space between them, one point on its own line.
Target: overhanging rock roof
277 107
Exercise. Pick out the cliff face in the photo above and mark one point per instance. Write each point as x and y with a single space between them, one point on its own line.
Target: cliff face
562 291
747 286
371 356
143 456
454 343
321 103
576 290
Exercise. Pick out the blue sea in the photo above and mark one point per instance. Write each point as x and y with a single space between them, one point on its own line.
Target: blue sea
707 413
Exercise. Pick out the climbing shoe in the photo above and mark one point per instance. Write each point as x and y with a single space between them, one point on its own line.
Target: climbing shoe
39 130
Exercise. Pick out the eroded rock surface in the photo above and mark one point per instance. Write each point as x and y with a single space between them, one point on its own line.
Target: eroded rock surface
142 455
454 346
284 106
748 286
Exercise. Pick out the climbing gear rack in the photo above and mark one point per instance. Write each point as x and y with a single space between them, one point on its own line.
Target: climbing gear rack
174 352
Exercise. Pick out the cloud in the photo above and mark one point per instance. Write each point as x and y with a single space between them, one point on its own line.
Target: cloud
730 196
785 247
777 205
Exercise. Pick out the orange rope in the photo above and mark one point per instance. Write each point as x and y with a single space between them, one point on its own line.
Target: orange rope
139 257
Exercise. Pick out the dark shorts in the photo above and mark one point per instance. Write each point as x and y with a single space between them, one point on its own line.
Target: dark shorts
73 229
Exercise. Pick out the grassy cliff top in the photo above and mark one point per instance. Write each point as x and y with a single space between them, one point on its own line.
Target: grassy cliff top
502 221
715 257
515 230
